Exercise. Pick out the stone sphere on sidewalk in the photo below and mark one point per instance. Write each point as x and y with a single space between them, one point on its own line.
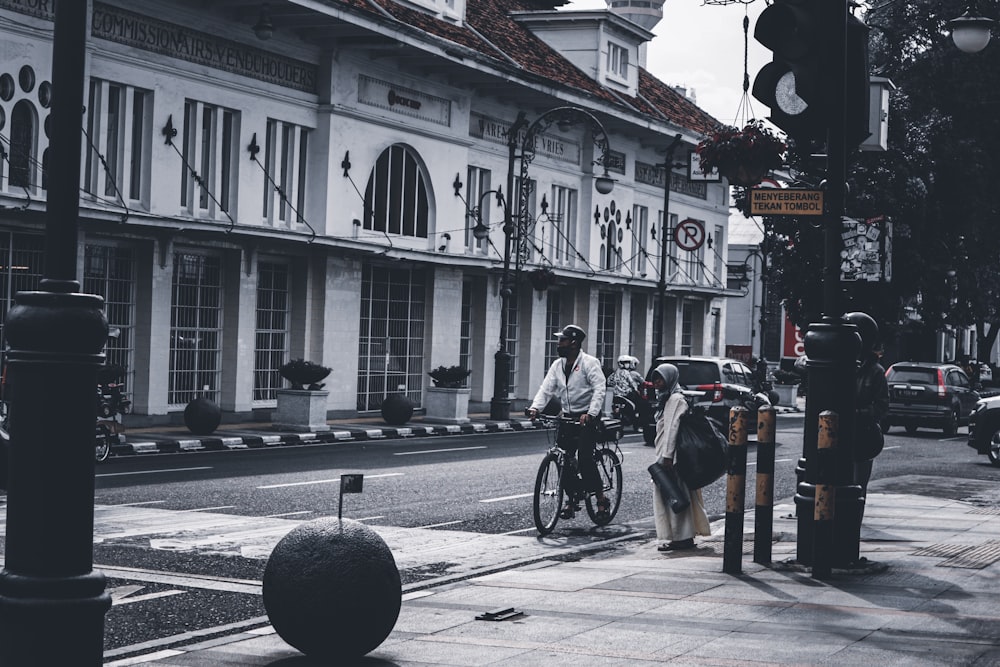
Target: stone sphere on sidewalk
332 589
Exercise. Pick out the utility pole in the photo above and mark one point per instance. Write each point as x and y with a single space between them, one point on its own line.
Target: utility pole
661 287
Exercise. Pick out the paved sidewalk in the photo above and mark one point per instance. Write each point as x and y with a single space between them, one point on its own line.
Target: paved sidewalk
927 596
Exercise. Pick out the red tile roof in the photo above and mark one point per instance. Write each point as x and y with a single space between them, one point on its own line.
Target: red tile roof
497 37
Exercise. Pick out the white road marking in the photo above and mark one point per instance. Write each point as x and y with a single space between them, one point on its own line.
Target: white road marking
502 498
753 463
151 472
274 516
515 532
370 518
325 481
438 525
141 659
141 502
208 509
438 451
142 598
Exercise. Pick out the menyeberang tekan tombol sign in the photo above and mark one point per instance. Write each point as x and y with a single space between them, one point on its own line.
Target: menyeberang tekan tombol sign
143 32
785 201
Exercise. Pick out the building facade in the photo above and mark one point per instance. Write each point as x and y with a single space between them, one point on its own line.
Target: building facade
303 180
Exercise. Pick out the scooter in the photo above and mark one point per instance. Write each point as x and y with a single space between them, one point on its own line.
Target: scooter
632 410
112 404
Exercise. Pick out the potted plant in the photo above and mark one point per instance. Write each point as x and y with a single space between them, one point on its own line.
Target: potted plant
743 156
303 407
785 385
448 400
542 278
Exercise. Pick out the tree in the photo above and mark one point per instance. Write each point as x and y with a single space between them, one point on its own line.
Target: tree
938 183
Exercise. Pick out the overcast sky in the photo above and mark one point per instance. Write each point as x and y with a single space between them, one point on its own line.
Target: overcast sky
700 46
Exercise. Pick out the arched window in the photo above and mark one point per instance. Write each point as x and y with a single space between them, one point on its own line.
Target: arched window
22 144
396 196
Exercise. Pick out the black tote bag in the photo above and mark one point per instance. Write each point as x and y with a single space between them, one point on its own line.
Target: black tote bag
702 450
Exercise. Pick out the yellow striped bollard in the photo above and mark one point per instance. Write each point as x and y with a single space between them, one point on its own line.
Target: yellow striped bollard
826 493
732 553
764 498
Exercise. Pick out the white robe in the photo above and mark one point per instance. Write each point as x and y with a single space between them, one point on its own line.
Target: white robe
694 520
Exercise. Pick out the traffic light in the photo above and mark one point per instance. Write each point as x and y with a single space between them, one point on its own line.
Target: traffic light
799 83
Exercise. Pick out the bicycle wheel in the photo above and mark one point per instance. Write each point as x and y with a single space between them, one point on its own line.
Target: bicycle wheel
609 469
548 495
102 446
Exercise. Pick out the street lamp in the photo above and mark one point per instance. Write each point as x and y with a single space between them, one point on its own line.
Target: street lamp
523 147
480 231
971 30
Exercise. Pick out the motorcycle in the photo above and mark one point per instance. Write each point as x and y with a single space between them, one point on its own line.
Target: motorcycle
633 410
112 404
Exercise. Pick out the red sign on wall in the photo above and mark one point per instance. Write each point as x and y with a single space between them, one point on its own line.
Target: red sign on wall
793 341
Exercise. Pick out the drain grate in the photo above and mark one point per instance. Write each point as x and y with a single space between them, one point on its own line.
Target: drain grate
963 555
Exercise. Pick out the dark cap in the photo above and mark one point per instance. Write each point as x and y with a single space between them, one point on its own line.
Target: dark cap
573 332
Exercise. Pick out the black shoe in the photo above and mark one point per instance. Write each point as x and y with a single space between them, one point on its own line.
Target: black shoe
569 511
678 545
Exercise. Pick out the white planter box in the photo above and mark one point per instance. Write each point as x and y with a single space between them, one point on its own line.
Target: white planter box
786 394
446 406
301 410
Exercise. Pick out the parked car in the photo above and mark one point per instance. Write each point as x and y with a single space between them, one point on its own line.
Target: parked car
930 394
716 384
984 428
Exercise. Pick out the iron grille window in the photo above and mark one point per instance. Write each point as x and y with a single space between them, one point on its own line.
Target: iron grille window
553 318
607 317
478 184
23 137
195 329
22 264
285 153
687 329
512 329
271 334
210 148
465 335
396 196
391 340
110 271
119 130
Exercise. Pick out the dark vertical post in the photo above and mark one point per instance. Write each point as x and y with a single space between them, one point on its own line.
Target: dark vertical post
826 494
661 286
500 403
764 498
52 603
732 555
831 345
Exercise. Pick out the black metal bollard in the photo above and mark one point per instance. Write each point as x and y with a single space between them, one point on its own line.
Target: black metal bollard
735 491
764 498
826 494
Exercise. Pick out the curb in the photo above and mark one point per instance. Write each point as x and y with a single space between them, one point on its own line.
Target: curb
172 444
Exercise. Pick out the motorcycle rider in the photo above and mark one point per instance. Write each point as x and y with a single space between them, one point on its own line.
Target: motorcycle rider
626 389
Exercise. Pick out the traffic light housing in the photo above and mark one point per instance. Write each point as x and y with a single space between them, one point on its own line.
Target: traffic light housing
799 84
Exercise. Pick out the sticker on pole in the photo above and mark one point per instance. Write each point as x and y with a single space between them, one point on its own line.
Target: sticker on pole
689 234
785 201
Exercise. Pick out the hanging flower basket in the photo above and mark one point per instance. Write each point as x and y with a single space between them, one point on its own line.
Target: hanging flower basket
743 156
541 279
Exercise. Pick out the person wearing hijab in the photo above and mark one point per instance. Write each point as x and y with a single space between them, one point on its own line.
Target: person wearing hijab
677 531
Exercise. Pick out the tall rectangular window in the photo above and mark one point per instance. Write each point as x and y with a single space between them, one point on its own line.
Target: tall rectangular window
465 328
718 276
196 319
210 150
110 272
391 337
271 347
22 263
512 331
563 249
640 237
687 328
477 184
607 318
553 323
284 173
617 60
673 263
118 126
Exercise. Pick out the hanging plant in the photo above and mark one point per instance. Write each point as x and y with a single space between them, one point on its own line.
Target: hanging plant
542 278
743 156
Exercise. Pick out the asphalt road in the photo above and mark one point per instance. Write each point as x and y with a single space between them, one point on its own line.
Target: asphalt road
184 538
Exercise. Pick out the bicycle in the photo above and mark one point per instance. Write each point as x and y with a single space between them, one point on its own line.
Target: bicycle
550 482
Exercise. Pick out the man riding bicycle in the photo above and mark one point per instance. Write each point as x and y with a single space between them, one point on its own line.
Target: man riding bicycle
577 380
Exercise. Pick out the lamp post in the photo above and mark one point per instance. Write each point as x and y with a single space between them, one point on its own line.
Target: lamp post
516 232
661 286
52 603
971 30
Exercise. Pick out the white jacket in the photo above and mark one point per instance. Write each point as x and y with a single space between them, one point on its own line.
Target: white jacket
583 391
